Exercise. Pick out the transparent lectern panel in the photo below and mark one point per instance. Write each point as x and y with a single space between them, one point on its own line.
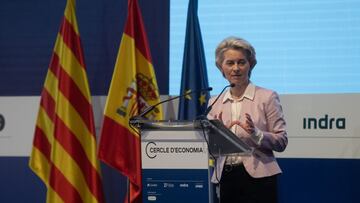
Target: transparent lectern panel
223 141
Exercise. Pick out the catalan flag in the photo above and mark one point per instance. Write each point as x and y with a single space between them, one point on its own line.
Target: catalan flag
133 88
194 73
64 146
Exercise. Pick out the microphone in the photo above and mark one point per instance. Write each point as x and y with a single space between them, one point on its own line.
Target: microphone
206 112
150 108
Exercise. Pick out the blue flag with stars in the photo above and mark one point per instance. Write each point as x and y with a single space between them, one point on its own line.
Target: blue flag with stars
194 73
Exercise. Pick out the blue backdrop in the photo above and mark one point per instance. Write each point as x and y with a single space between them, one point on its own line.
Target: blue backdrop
29 29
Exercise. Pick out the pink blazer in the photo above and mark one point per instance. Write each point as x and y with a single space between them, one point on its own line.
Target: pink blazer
266 112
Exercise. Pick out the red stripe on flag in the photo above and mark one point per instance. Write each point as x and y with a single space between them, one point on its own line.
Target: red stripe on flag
42 143
135 22
72 40
63 187
72 92
122 150
54 65
48 104
72 145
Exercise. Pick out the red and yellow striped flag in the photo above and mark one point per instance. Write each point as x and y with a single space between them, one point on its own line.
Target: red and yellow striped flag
64 147
133 88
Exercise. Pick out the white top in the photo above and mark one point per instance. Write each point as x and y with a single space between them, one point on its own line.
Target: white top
236 107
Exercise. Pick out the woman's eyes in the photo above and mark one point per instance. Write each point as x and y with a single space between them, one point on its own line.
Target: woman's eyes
241 62
229 63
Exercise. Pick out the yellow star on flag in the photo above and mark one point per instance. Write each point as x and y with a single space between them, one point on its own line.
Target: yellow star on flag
188 96
202 99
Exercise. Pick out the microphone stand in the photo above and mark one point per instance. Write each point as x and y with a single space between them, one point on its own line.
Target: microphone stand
206 112
134 119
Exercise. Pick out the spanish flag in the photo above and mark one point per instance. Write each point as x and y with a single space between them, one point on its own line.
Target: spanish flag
133 88
64 146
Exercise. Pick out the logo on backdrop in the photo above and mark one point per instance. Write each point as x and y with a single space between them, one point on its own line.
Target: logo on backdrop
324 122
152 150
149 148
2 122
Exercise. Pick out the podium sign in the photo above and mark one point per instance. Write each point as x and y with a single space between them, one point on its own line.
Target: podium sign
175 156
175 165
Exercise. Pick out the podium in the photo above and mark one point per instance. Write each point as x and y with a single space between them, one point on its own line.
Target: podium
175 158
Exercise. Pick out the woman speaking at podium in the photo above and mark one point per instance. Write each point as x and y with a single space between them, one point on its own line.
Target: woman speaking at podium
255 115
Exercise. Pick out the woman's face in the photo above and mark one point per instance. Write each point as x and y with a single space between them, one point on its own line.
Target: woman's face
236 67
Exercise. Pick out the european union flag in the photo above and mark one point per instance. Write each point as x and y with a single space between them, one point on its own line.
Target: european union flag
194 73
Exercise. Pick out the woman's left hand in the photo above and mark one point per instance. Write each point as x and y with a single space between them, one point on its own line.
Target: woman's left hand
248 126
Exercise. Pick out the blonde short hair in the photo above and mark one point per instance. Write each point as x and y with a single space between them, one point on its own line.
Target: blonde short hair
236 44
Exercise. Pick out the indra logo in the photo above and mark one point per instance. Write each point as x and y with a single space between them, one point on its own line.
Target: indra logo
2 122
324 123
